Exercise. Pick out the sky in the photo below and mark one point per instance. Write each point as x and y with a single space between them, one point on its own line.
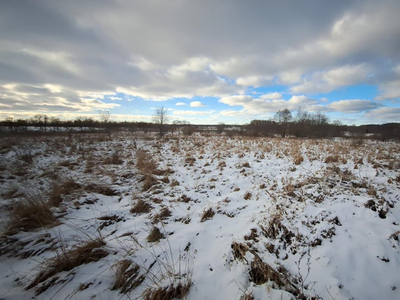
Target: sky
206 61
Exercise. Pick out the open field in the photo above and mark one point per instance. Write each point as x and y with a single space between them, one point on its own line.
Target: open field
199 217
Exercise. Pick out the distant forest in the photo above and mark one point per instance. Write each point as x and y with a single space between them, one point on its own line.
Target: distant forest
283 124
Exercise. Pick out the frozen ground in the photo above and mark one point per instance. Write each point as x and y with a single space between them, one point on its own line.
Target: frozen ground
237 218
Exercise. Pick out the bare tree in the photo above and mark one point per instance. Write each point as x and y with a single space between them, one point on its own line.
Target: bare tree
220 128
105 116
160 117
284 117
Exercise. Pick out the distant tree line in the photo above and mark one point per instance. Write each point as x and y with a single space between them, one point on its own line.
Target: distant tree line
303 124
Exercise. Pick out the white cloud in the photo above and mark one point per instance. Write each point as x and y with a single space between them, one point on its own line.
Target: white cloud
42 99
236 100
180 104
353 106
383 115
290 77
255 81
390 90
193 112
115 98
323 82
271 96
262 105
196 104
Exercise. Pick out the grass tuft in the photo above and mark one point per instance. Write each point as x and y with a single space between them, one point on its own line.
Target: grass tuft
127 276
207 215
247 195
30 212
170 292
141 207
145 163
67 260
155 235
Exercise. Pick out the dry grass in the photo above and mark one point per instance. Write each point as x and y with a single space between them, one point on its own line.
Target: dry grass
100 189
155 235
247 296
239 250
30 212
174 183
141 207
162 215
189 161
185 199
145 163
58 189
298 159
67 260
332 159
114 159
23 155
127 276
261 272
207 215
149 181
178 291
247 195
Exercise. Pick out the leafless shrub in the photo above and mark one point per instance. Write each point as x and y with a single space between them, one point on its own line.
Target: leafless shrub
127 276
207 215
67 260
141 207
173 291
155 235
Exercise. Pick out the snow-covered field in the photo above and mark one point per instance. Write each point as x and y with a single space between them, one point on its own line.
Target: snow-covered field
199 217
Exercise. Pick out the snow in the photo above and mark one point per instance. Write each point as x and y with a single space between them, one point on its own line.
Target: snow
309 219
